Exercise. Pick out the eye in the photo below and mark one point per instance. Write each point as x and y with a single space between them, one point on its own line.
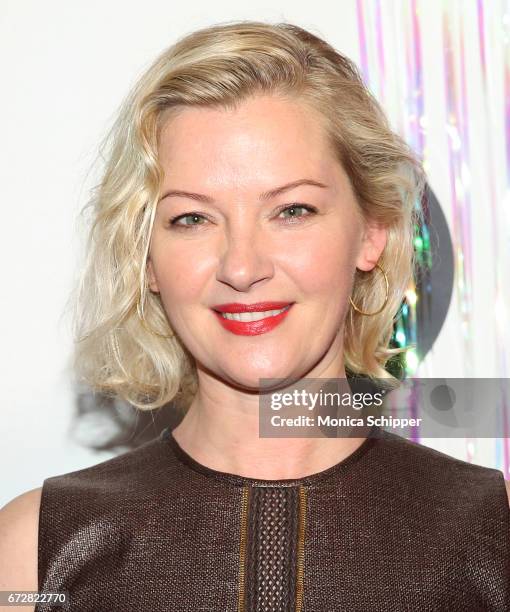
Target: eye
193 216
293 208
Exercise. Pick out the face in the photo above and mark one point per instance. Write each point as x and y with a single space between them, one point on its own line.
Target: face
240 239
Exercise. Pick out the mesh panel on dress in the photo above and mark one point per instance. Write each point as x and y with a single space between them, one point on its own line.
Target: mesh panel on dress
271 552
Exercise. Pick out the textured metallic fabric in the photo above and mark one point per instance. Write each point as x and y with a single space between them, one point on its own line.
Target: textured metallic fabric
396 526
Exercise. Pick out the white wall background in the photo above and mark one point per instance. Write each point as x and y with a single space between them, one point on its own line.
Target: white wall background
65 67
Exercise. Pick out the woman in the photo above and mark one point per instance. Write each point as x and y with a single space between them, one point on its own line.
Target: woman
254 206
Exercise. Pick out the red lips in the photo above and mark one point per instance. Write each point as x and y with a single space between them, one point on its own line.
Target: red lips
251 328
258 307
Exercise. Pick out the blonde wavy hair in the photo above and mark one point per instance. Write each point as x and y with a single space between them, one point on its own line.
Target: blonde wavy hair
219 66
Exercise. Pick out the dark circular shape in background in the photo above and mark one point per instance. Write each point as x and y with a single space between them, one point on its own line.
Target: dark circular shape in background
434 304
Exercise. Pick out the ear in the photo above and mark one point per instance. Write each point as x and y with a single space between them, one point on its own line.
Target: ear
373 242
152 282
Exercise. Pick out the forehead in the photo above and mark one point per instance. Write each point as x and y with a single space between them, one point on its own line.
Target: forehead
262 141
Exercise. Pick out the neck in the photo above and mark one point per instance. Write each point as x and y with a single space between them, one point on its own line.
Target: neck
221 430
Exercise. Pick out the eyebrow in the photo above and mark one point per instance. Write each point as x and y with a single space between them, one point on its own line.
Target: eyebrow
266 195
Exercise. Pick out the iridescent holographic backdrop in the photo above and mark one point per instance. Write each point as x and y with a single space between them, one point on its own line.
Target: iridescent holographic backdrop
468 59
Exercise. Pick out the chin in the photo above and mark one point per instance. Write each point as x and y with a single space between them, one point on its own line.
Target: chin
249 378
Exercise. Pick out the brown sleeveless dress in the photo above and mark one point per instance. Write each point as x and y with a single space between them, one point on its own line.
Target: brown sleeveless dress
395 526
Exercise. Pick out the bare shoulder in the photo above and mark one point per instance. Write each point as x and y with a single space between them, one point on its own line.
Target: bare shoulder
507 485
19 525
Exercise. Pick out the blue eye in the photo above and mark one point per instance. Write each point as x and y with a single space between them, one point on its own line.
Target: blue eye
194 216
294 207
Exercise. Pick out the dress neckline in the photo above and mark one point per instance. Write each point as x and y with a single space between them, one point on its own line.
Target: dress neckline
313 479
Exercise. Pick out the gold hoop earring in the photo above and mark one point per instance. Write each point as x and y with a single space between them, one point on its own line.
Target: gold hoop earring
370 314
146 325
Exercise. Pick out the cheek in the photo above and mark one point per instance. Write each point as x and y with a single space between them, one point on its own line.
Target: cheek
181 272
321 262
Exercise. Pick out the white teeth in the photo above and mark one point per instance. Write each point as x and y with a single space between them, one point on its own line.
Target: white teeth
252 316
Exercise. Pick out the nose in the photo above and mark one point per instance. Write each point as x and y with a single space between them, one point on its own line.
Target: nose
245 260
